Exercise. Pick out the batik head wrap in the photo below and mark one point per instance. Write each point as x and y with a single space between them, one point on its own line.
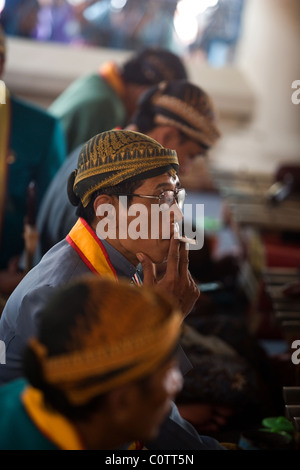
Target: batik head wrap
179 104
115 156
96 335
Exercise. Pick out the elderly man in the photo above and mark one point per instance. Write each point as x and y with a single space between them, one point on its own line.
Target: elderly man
177 113
112 164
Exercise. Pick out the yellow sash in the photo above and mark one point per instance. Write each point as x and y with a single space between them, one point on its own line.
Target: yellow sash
5 116
55 426
90 249
111 75
51 424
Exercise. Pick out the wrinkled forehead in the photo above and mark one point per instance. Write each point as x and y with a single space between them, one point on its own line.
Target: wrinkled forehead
168 180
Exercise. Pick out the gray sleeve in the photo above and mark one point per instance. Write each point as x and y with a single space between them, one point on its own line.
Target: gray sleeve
18 324
178 434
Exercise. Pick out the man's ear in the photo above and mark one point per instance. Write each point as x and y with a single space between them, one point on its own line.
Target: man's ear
103 199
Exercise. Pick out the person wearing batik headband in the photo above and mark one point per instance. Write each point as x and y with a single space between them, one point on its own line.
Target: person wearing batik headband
100 101
185 121
116 156
181 114
93 382
113 163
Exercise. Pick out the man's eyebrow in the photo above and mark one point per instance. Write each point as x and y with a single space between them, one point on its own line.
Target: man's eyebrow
164 185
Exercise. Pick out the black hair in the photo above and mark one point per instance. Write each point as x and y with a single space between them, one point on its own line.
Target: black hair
58 316
126 187
153 65
54 397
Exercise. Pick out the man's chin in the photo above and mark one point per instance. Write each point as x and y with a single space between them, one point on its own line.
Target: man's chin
160 255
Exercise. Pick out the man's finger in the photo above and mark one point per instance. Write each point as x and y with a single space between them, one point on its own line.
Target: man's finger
173 257
148 269
183 260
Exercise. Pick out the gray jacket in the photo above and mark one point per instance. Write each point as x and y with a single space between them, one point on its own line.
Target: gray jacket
20 318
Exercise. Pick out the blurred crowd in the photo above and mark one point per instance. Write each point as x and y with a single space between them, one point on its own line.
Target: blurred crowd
131 129
128 24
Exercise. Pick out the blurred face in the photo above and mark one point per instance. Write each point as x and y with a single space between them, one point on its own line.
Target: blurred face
187 150
148 227
153 400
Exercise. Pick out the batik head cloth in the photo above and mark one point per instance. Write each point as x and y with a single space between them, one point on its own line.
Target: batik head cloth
116 333
115 156
180 104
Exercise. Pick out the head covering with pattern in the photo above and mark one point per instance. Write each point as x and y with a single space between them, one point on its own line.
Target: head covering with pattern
115 156
93 337
181 104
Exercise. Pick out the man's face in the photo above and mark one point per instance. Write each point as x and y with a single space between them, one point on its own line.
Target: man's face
148 228
153 400
187 150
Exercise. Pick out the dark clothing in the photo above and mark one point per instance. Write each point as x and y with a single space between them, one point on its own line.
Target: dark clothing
20 318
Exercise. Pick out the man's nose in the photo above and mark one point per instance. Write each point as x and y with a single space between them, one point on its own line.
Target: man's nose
178 215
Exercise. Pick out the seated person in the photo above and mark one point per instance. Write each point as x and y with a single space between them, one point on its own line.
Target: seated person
32 148
105 99
98 375
177 113
113 164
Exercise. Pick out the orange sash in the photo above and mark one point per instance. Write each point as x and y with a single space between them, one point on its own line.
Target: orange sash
111 75
90 249
55 426
52 424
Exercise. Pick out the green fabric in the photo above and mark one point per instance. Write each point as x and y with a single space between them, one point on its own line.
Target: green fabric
17 431
38 144
86 108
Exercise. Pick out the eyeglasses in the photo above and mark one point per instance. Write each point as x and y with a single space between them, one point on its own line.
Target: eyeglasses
168 197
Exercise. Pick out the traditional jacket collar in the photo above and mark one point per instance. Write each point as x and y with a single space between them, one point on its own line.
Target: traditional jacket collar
90 249
99 256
